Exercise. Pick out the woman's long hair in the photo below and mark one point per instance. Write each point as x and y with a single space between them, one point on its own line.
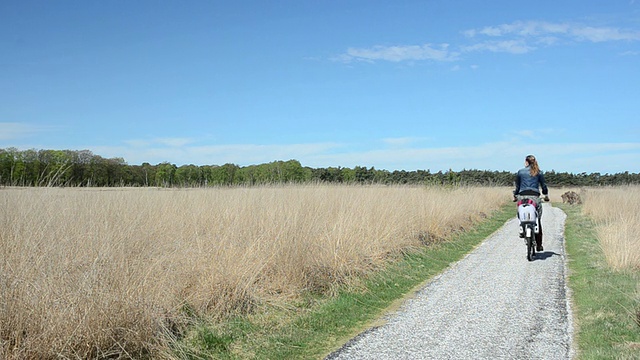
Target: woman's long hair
534 169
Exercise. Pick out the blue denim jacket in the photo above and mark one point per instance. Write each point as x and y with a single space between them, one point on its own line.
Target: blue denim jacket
529 185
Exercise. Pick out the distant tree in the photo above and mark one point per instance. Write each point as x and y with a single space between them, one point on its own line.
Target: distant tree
188 176
348 175
165 174
381 176
223 175
148 173
80 161
57 168
293 171
115 171
400 177
329 175
12 168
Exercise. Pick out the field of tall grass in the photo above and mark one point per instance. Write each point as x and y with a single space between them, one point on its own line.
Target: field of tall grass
604 271
616 211
89 273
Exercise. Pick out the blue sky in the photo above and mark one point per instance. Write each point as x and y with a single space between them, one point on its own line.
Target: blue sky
397 85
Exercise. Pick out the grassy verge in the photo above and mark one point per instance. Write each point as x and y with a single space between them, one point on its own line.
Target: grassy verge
606 302
311 327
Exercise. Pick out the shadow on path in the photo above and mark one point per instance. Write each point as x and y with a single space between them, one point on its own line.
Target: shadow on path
545 255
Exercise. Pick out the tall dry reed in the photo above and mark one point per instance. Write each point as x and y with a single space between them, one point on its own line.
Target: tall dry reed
616 211
89 273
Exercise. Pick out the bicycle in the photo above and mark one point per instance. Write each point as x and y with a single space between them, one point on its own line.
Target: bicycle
529 224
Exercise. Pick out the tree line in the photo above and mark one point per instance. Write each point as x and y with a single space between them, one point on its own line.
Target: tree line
84 169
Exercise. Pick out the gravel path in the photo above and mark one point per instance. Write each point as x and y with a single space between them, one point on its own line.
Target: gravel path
493 304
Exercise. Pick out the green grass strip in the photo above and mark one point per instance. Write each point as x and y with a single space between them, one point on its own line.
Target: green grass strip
318 325
606 303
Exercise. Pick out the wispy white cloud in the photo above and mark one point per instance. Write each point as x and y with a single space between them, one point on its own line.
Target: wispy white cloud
520 28
507 46
400 53
596 34
519 37
546 32
16 130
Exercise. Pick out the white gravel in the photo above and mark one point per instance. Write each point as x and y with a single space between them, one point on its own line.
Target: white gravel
493 304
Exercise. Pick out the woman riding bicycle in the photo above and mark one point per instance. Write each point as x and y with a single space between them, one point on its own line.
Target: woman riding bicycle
529 180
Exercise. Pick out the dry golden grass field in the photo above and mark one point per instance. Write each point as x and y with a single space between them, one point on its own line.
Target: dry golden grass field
616 211
98 272
89 273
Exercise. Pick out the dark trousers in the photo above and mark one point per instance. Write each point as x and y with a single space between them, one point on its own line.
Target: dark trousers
539 234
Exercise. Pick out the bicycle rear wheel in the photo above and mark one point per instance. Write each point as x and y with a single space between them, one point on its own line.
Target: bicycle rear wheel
531 248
